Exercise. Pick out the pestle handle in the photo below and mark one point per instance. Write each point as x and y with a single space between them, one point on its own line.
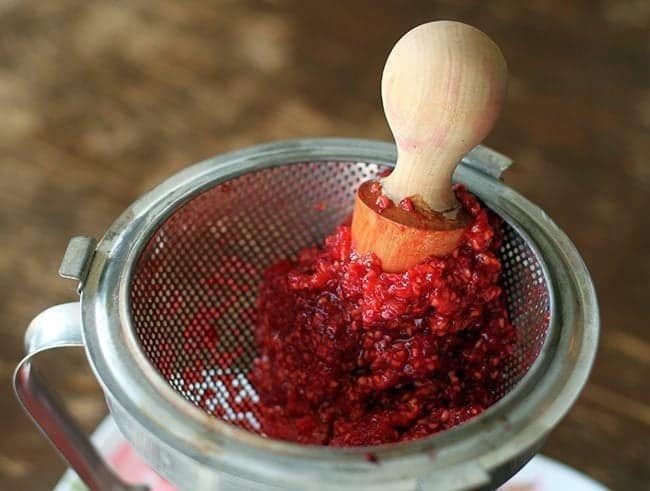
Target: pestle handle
442 88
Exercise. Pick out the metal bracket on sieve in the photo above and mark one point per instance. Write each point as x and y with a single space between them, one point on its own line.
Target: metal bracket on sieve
60 327
487 161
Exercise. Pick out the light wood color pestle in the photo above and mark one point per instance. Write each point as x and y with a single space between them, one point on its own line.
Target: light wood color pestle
443 86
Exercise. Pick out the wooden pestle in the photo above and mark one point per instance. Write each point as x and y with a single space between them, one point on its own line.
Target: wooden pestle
442 89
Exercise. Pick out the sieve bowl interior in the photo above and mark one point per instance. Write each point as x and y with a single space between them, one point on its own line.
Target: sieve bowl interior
194 285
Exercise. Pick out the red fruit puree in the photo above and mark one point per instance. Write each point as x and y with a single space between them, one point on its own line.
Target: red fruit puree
351 355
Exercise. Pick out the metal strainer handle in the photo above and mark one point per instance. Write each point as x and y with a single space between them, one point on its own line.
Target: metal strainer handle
60 327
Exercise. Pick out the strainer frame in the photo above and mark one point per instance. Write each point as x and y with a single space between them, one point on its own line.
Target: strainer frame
178 430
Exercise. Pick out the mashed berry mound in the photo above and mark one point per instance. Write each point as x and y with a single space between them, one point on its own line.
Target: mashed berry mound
351 355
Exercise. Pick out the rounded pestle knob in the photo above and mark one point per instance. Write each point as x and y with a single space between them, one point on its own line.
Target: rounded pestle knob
442 88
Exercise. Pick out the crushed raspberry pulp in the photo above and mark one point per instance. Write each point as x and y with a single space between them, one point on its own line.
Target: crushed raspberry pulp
351 355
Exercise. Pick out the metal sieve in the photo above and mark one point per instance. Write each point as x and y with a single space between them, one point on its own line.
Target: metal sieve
167 320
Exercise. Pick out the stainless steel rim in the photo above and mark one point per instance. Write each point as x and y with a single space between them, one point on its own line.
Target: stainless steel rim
515 423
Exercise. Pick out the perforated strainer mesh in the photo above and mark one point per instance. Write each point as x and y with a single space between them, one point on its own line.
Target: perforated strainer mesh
194 285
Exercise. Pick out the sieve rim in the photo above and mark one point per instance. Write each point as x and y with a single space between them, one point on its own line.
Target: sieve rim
116 356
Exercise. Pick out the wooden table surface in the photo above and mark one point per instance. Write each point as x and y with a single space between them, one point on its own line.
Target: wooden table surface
101 100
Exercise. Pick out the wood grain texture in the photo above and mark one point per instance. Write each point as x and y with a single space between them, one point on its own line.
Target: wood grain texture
100 100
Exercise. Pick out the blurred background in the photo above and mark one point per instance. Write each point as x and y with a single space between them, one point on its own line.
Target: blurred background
99 101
